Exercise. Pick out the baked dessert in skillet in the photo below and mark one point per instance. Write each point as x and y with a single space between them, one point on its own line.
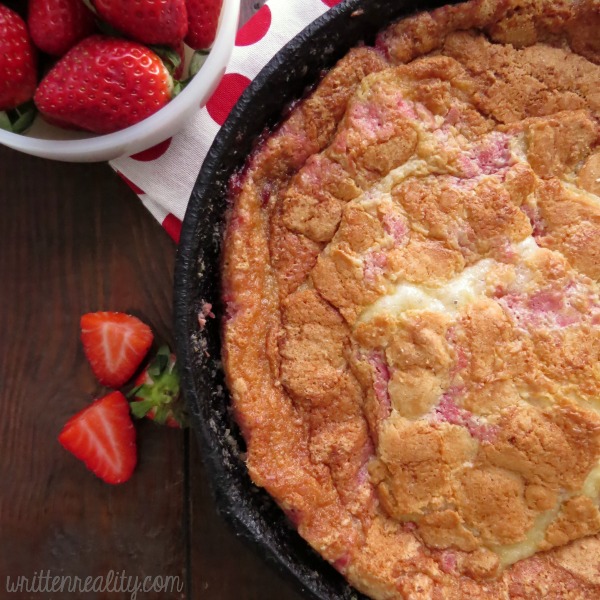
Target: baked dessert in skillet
412 338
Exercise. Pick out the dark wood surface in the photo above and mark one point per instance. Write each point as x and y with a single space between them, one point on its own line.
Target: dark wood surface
74 238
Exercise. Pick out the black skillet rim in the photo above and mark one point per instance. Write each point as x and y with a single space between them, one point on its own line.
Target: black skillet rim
251 512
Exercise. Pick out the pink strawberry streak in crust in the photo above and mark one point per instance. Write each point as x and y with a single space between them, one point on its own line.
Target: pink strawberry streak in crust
235 221
397 228
533 214
506 252
462 360
452 116
342 563
362 476
408 109
265 193
381 378
367 117
377 123
546 301
488 156
231 306
447 411
382 45
293 515
545 308
374 265
236 183
448 561
311 175
375 262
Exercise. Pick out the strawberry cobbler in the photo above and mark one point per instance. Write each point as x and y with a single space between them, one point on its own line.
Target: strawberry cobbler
412 338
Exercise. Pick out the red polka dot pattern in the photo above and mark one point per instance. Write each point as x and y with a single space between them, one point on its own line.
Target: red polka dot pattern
172 226
154 152
255 29
226 95
138 190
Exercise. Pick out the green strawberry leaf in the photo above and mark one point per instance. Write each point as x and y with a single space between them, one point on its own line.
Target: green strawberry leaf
179 86
198 59
18 119
5 121
141 408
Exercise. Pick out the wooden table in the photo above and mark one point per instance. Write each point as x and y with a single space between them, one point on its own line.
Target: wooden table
73 239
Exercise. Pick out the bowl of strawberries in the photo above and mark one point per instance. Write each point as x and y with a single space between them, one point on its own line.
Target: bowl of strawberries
93 80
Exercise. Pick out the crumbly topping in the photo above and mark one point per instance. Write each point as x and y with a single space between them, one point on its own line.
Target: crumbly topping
413 337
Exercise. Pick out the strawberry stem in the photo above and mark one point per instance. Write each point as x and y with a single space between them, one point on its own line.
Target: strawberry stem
170 57
159 396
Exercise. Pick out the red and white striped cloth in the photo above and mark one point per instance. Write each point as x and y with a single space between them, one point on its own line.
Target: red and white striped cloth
163 176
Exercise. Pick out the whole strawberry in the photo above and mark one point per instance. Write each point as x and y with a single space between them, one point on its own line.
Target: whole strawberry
203 18
147 21
18 72
104 84
57 25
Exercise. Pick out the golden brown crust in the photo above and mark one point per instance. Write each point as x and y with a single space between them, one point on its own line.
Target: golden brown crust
413 340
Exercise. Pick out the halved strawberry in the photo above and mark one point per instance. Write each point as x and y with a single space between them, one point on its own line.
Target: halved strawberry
103 437
156 392
115 345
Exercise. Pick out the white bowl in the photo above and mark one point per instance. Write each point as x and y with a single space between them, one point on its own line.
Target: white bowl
47 141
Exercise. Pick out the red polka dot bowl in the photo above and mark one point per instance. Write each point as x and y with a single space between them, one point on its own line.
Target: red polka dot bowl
48 141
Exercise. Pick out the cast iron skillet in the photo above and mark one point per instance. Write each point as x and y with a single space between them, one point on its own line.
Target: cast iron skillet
251 512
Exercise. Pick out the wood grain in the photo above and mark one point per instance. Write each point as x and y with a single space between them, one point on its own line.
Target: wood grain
73 239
